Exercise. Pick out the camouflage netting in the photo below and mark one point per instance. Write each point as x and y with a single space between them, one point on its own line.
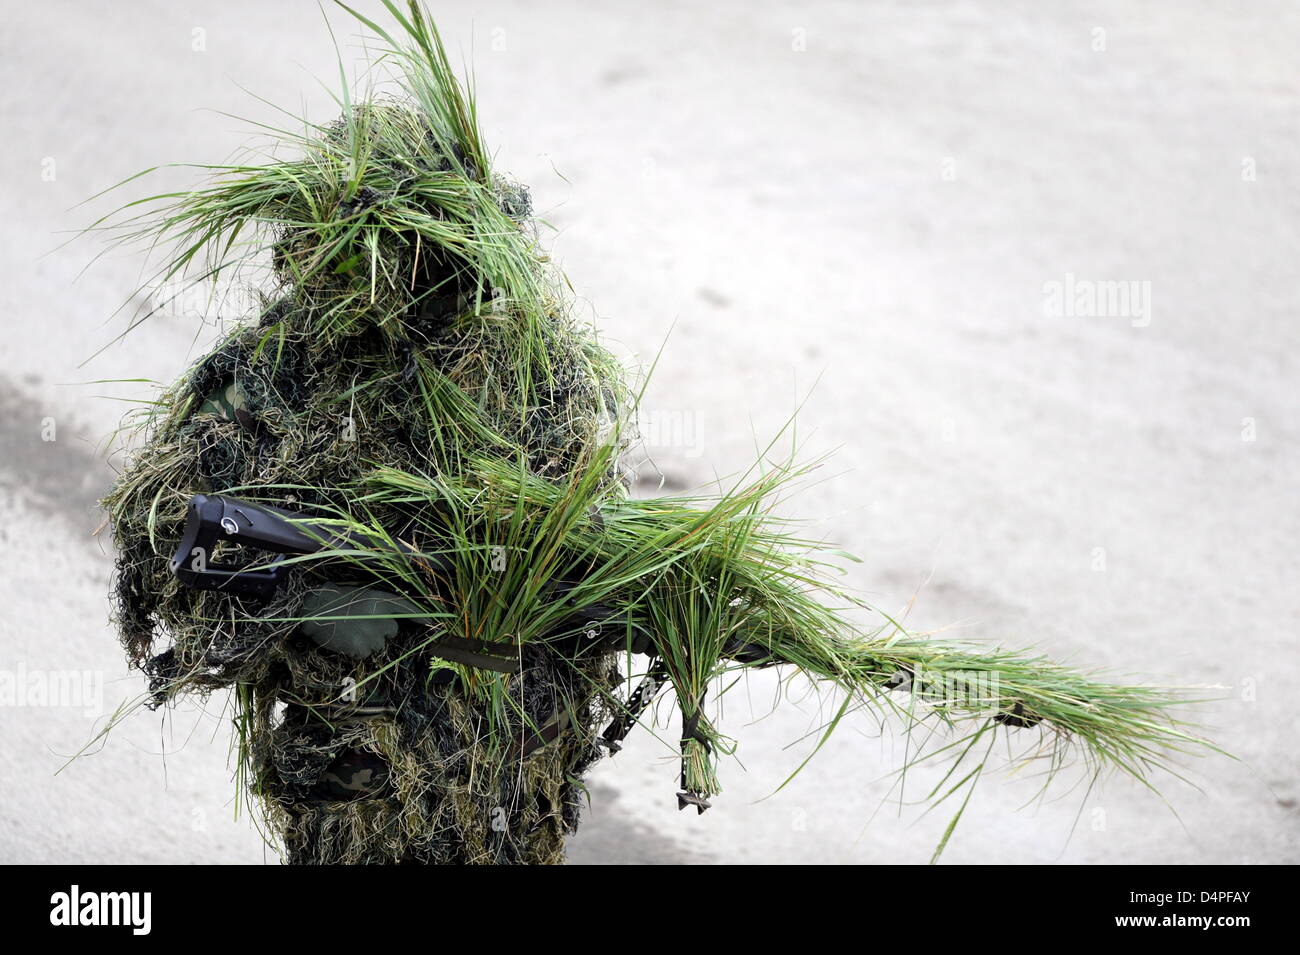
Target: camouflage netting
410 771
438 793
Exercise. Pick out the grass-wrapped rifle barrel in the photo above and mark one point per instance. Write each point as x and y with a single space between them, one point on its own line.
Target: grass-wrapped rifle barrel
414 421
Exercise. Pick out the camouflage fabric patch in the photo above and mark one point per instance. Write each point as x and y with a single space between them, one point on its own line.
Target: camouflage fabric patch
369 619
355 774
225 400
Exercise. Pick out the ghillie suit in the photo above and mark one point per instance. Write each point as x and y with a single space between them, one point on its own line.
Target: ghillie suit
430 683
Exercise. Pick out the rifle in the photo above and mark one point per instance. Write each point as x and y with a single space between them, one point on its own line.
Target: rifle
211 519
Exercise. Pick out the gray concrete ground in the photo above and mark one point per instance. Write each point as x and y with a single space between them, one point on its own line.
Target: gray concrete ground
880 205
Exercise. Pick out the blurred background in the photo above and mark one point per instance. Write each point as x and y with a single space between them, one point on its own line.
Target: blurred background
1029 269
